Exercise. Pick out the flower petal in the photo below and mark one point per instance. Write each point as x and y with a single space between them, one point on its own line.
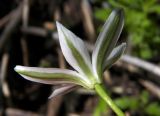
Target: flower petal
74 50
107 40
52 76
61 90
114 56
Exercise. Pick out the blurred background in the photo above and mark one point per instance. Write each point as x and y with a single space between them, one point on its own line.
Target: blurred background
28 36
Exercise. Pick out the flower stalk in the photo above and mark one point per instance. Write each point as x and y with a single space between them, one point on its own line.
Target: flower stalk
101 92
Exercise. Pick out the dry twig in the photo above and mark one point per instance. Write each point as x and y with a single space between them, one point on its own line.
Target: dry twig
142 64
18 112
3 74
35 31
25 17
88 22
154 89
10 27
6 18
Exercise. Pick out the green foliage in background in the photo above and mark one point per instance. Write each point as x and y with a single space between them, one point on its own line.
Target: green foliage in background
141 24
101 109
153 109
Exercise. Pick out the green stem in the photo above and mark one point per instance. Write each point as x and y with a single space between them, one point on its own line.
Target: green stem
101 92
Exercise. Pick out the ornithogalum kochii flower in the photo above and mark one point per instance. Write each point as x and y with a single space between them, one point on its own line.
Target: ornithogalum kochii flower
88 70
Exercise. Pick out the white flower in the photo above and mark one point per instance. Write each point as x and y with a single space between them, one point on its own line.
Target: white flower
89 70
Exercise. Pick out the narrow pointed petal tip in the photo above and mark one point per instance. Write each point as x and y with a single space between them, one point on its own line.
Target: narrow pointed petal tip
119 12
124 45
58 24
116 53
63 90
18 68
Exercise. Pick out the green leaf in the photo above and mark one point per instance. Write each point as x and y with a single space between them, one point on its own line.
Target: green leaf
102 14
153 109
127 103
102 109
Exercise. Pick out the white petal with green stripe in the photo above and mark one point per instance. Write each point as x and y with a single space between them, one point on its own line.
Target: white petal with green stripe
52 76
106 40
114 56
75 51
61 90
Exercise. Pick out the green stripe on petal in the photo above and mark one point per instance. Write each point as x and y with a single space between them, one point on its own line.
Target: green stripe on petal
75 51
107 40
52 76
114 56
80 61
